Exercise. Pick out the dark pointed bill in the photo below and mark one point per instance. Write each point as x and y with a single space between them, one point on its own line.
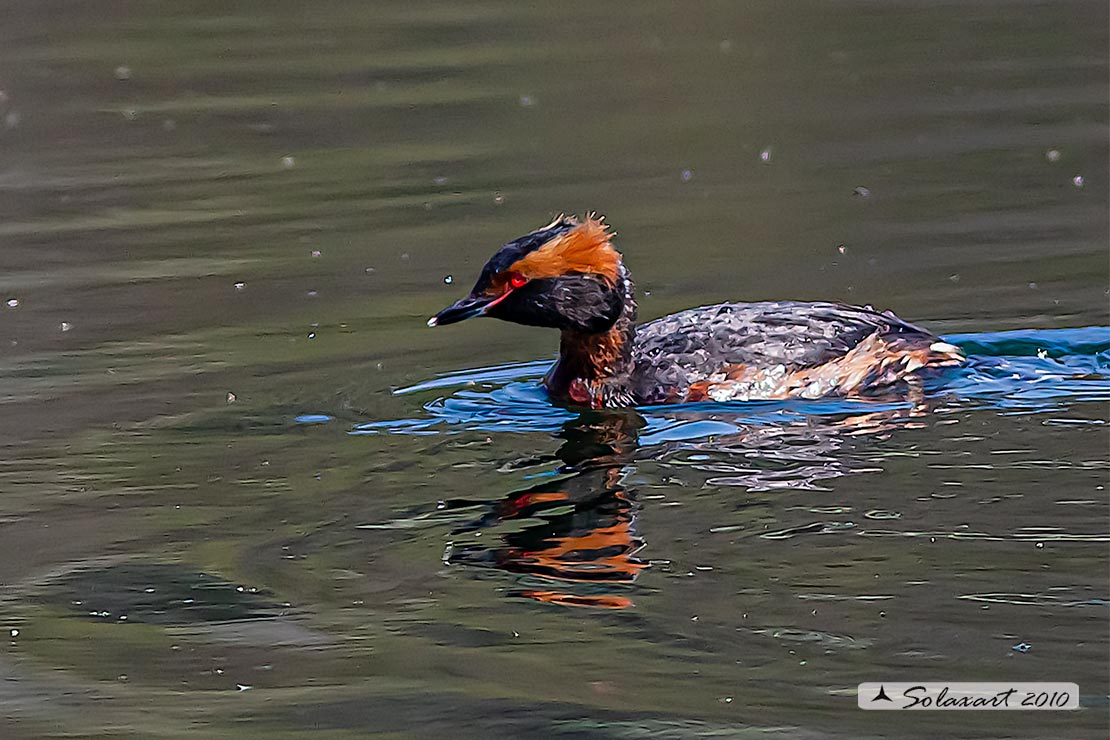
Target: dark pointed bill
467 308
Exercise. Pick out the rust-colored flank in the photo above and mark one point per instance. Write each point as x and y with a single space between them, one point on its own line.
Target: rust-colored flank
874 362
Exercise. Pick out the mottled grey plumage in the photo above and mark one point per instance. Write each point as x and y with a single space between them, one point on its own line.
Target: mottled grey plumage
674 352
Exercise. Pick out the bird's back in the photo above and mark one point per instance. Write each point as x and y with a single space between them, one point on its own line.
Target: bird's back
775 350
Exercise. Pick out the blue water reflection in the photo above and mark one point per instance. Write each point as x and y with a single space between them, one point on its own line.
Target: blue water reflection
1030 371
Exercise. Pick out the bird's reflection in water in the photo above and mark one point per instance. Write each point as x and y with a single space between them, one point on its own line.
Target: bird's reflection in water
573 541
580 545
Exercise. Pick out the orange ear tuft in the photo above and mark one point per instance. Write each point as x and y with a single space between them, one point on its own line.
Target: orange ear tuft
586 248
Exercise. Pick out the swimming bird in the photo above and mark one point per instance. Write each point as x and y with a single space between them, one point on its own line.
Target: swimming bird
568 276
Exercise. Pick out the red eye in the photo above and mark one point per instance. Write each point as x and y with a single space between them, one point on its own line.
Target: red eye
517 280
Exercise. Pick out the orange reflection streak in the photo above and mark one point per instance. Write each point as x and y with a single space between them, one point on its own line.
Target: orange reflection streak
596 602
603 554
517 503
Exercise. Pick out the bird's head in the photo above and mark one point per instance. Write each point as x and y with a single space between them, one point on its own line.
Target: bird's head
565 275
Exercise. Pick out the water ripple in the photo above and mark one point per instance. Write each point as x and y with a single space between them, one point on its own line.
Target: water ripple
1024 371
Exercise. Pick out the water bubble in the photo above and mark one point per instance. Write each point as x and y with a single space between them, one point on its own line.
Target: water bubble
169 125
369 270
766 154
1052 155
12 119
725 46
13 303
405 256
311 294
66 326
315 253
1077 181
862 192
123 72
687 175
3 96
130 113
527 101
448 279
441 180
288 162
954 277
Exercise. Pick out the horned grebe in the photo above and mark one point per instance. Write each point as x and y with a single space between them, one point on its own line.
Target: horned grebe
568 276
